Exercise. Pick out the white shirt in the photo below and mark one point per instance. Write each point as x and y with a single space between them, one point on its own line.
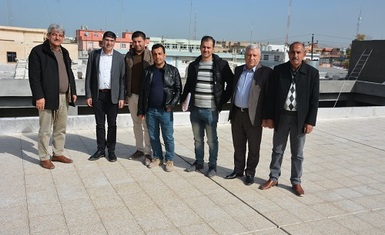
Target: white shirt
105 64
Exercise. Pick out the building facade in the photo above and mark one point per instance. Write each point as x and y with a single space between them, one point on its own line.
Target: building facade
16 43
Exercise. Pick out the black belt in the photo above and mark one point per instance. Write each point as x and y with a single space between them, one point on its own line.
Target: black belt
287 112
105 90
242 109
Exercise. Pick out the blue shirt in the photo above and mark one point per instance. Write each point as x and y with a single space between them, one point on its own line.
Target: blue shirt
242 91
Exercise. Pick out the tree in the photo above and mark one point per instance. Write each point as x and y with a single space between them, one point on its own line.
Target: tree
345 63
360 37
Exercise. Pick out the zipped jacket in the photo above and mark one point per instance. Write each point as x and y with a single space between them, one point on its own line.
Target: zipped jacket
172 87
223 81
43 75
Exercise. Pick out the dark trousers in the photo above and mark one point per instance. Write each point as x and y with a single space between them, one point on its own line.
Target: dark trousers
102 107
288 124
244 132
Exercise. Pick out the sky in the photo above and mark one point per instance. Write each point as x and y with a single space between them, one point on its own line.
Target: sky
334 23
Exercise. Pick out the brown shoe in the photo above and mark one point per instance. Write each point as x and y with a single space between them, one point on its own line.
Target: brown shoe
61 158
268 184
47 164
298 190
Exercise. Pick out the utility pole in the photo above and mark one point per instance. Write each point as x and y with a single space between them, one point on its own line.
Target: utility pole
312 42
312 46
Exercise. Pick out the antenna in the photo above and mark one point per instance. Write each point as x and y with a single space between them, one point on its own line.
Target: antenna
121 23
10 17
288 24
251 32
195 27
189 28
358 23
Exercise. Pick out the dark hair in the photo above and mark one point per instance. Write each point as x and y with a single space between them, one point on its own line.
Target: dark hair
138 34
109 34
208 38
158 45
295 43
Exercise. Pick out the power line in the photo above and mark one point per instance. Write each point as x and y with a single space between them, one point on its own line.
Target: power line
333 36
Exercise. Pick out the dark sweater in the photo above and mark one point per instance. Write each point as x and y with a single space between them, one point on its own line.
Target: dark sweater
156 90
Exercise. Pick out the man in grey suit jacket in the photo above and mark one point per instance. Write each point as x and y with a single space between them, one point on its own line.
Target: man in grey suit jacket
247 112
105 93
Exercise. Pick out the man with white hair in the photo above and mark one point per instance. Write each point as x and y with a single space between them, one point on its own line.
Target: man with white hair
53 89
248 112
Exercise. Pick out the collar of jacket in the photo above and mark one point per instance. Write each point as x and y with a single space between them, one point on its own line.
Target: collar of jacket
302 68
215 58
259 65
132 52
47 48
153 67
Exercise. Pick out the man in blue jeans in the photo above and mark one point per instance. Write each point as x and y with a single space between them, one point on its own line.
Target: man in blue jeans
161 89
209 83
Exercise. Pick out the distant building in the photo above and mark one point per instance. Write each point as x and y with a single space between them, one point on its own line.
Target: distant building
367 61
16 43
89 40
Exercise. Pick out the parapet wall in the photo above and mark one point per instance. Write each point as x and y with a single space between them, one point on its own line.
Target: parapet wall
87 122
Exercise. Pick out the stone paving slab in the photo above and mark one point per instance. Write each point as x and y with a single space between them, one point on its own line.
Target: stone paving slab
344 182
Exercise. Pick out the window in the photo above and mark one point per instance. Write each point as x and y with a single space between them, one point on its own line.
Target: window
276 58
265 57
123 45
11 56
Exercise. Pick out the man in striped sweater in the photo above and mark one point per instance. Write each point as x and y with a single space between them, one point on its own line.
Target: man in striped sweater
209 86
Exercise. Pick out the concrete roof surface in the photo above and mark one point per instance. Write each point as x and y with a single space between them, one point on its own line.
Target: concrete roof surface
343 179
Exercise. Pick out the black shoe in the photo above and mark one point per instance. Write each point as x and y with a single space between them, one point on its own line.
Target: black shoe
249 180
98 154
233 175
211 172
194 167
111 157
136 155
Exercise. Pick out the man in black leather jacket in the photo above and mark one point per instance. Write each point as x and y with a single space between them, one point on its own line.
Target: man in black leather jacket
209 83
161 90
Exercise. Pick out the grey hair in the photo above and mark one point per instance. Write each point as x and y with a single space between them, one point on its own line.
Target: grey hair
253 47
297 43
56 27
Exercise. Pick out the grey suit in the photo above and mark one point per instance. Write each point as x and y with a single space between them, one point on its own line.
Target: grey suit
117 76
246 123
105 102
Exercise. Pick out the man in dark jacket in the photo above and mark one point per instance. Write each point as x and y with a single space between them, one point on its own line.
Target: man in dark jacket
161 89
209 84
53 89
292 109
